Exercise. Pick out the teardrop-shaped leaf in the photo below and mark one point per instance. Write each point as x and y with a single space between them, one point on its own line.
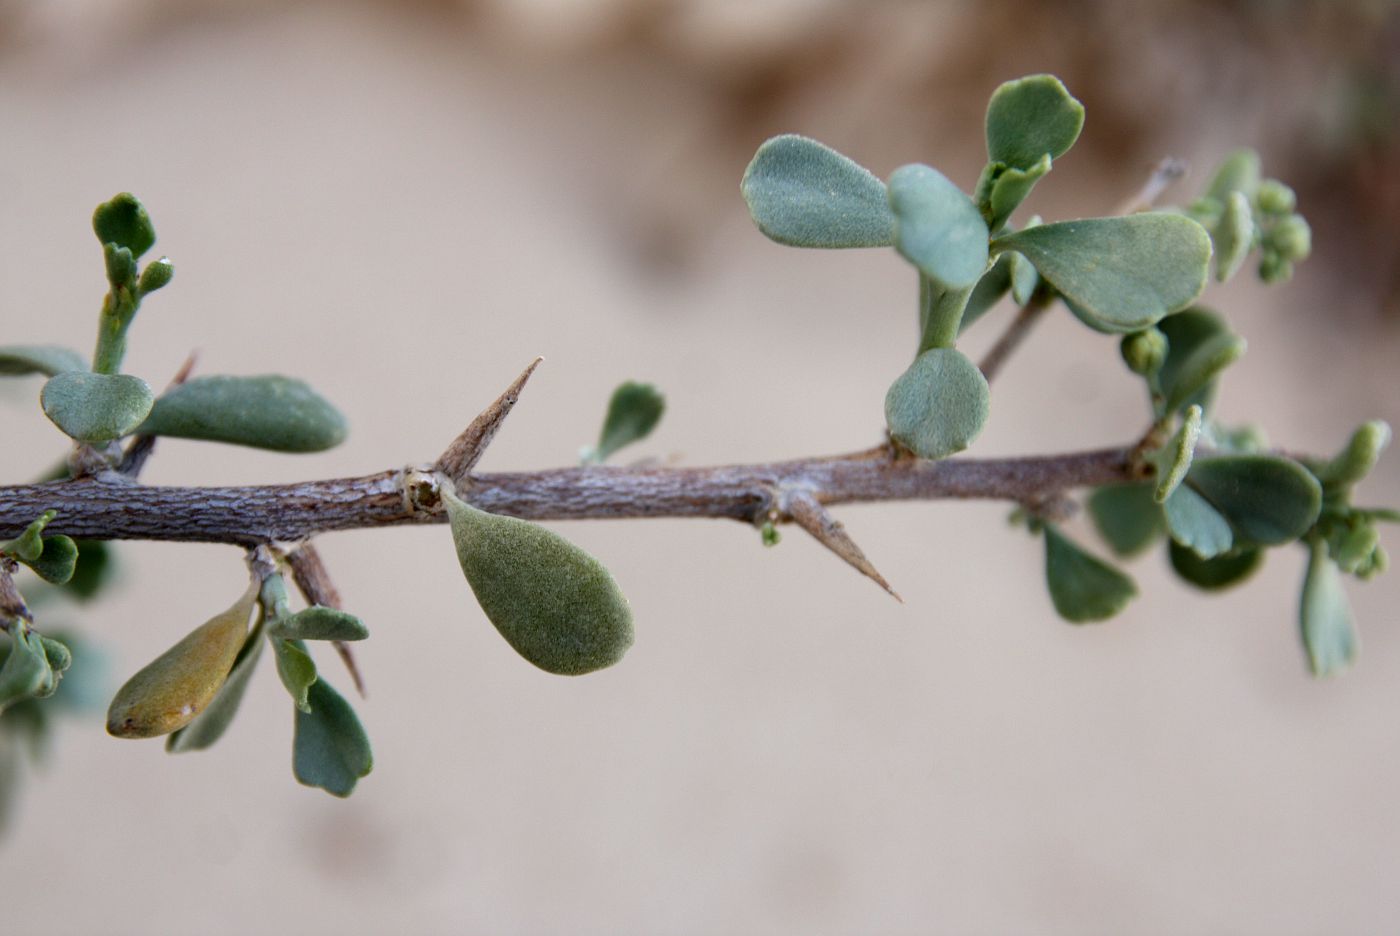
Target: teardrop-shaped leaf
29 545
268 412
26 673
209 725
175 687
319 623
1031 117
1010 188
1233 236
1174 459
1194 369
1194 522
939 405
937 227
57 561
988 291
1360 455
1329 636
121 267
296 669
16 360
1187 332
330 749
1083 587
96 407
1218 573
554 603
805 194
1123 273
1024 278
1238 173
124 222
1127 517
1266 499
633 412
157 275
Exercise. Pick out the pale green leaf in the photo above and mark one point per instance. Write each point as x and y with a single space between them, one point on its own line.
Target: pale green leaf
26 672
55 564
16 360
1194 368
633 412
1360 455
124 222
268 412
1173 460
805 194
1121 274
1127 517
1238 173
96 407
1083 587
937 227
1267 500
988 291
295 668
330 749
1194 522
1024 278
554 603
1029 118
939 405
1233 236
1329 636
1187 332
319 623
1010 187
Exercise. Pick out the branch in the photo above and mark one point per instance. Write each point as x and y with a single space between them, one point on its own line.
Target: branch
113 507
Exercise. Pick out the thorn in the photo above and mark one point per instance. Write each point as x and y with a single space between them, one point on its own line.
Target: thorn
314 582
466 450
809 514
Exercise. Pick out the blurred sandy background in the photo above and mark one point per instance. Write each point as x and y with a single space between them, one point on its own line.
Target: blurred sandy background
403 203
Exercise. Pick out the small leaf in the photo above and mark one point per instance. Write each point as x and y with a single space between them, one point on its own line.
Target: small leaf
296 669
94 570
29 545
158 274
319 623
1218 573
209 725
554 603
1024 278
1127 517
1238 173
1187 332
330 749
805 194
1360 455
26 673
58 560
1009 188
17 360
169 692
1173 461
988 291
1083 587
1120 274
268 412
633 412
1329 636
1032 117
121 266
1233 237
96 407
939 405
124 222
1267 500
1195 523
1194 369
937 227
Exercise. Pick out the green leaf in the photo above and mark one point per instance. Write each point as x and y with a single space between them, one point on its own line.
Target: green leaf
295 668
1173 460
121 266
330 749
1267 500
1194 369
17 360
804 194
1187 332
939 405
1233 236
633 412
124 222
937 227
58 655
319 623
1029 118
1120 274
58 560
29 545
268 412
1329 635
95 569
96 407
554 603
1360 455
988 291
1083 587
158 274
209 725
171 690
1024 278
1010 186
1127 517
1238 173
1194 522
26 673
1218 573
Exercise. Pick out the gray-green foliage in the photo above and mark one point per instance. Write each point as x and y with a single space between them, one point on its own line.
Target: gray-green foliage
937 406
805 194
1083 587
96 407
554 603
633 412
330 749
269 412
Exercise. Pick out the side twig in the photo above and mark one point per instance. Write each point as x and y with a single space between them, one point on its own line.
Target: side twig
314 582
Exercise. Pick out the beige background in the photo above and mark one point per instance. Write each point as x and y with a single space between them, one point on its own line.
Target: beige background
382 201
